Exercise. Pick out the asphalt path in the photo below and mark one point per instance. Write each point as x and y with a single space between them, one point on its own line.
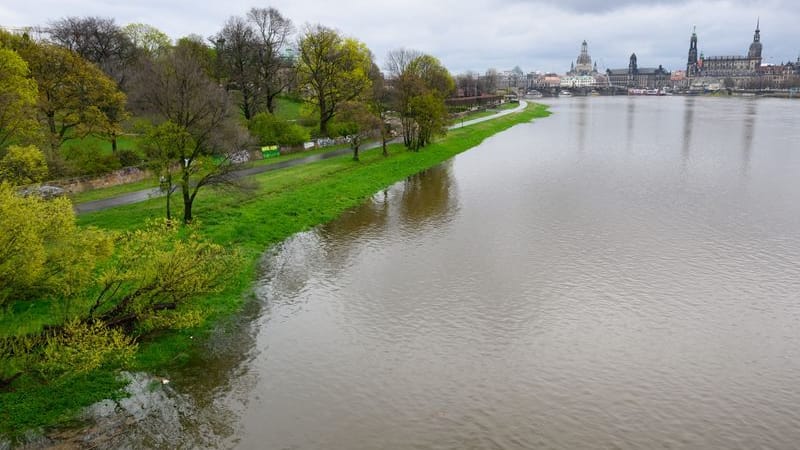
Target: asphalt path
146 194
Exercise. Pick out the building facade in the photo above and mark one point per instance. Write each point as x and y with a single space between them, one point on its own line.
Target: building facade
639 78
583 65
725 66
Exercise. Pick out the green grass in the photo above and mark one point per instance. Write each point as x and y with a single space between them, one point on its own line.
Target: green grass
120 189
123 143
284 202
287 108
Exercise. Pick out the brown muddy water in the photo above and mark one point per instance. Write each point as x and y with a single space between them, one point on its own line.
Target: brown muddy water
623 274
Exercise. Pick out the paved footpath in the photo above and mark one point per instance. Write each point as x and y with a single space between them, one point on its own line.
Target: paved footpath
140 196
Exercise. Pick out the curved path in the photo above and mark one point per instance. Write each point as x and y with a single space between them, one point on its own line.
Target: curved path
146 194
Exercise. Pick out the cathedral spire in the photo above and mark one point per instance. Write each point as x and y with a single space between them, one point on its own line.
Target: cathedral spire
691 64
757 35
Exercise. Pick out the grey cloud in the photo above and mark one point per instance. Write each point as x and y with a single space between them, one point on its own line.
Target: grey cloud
477 34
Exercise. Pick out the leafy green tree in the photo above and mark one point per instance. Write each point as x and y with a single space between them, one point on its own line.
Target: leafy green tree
430 118
22 165
76 99
163 145
357 122
18 95
147 39
332 70
420 85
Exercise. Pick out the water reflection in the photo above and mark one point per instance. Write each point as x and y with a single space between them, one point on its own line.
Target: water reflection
429 198
583 111
630 116
688 124
748 130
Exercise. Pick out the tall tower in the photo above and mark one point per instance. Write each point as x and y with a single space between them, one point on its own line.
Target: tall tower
754 54
691 64
632 70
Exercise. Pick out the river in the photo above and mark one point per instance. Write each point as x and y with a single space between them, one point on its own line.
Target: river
622 274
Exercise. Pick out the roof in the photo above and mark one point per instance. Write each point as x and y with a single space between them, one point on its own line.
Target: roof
640 71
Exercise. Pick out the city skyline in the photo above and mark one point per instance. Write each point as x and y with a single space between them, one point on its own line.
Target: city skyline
476 35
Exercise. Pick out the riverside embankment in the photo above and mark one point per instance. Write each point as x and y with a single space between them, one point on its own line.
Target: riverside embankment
278 205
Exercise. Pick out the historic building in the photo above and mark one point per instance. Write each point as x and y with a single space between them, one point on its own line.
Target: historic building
583 65
725 66
638 77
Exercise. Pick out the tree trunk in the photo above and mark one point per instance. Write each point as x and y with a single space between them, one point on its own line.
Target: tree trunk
323 117
187 198
113 143
355 152
169 197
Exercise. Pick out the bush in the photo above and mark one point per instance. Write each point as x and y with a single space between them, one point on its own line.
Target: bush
23 165
83 347
90 159
128 158
270 130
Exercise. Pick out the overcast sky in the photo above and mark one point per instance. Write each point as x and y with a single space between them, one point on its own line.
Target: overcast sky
543 35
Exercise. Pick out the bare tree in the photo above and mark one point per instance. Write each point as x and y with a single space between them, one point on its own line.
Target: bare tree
490 81
97 39
176 88
237 49
274 68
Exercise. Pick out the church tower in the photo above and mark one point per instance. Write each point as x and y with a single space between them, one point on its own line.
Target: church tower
691 64
755 48
633 70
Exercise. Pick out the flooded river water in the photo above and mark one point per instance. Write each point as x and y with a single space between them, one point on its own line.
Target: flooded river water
622 274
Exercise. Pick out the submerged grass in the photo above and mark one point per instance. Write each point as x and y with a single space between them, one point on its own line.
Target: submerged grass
283 203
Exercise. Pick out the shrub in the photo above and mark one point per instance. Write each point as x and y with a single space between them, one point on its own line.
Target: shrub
23 165
270 130
82 347
129 158
90 159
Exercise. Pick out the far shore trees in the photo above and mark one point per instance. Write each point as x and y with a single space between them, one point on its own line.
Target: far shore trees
332 69
176 88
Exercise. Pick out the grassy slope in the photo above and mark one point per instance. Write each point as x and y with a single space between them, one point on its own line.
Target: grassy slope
284 203
123 143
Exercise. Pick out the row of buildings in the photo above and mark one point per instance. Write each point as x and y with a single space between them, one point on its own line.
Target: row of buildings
583 73
701 72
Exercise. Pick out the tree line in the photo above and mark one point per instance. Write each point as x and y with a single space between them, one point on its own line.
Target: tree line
199 102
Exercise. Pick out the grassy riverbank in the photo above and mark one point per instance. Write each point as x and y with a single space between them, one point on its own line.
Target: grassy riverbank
280 204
